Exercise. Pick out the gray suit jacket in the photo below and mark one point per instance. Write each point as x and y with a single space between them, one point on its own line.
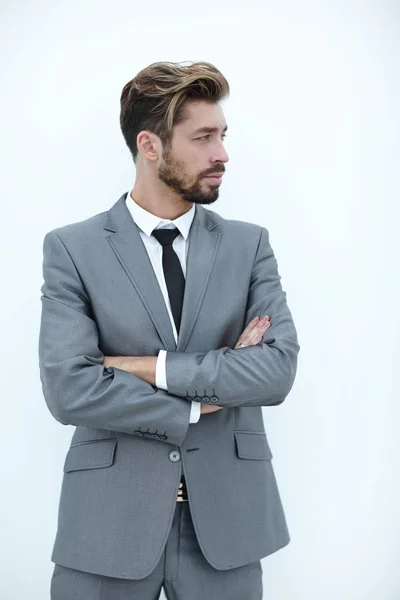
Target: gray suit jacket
132 441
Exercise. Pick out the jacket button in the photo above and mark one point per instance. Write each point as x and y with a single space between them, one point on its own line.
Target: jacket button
188 398
174 456
214 398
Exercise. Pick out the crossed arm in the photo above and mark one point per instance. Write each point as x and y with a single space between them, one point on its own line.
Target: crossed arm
80 390
260 375
144 367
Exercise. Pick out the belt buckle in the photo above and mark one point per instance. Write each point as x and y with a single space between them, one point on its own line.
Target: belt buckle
180 497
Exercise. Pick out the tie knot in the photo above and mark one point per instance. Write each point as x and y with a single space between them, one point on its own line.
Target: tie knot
165 236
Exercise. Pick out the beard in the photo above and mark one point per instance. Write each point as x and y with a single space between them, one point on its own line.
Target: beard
172 173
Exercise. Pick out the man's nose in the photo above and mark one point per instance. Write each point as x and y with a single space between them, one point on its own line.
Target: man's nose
221 156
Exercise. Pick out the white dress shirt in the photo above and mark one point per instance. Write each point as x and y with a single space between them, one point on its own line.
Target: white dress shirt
147 222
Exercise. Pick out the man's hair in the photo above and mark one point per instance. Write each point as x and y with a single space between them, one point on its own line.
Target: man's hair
155 99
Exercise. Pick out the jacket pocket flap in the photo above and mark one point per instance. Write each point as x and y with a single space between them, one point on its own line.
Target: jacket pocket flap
95 454
253 444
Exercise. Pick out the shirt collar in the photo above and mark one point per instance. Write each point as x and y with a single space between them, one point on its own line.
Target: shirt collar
146 221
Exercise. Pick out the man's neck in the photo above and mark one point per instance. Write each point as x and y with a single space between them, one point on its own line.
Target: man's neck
166 208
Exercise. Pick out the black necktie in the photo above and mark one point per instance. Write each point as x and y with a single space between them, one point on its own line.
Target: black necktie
174 277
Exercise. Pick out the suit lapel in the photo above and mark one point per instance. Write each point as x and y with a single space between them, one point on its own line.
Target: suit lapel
125 241
203 245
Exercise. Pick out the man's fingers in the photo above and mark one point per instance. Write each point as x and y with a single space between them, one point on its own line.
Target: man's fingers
254 331
256 322
252 324
257 333
209 408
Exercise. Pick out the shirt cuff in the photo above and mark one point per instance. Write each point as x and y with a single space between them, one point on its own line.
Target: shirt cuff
161 382
161 374
195 412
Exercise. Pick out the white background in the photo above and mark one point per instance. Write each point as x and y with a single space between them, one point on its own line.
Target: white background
314 157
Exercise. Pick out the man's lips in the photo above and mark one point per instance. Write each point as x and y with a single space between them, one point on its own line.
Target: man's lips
215 177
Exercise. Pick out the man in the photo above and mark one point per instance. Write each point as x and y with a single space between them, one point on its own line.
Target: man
164 330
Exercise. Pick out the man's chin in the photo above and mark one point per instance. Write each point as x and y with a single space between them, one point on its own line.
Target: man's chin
204 199
205 196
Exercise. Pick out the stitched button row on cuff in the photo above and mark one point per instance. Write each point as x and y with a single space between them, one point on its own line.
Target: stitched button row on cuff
202 398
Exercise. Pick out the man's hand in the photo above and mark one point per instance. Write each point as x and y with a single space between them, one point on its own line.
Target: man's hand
208 408
254 332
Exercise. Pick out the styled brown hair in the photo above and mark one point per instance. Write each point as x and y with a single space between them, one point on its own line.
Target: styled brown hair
154 100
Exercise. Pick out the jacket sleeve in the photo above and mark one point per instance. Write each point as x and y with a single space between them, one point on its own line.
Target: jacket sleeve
259 375
77 388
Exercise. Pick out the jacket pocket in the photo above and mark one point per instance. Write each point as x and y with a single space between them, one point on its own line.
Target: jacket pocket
252 445
94 454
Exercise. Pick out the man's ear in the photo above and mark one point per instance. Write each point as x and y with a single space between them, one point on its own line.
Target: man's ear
148 144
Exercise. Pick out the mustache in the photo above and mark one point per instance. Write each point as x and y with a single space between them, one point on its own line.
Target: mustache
214 172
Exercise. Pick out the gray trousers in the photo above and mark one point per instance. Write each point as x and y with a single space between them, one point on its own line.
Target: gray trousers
182 571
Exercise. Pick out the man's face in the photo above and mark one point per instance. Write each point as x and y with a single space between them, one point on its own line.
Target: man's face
196 151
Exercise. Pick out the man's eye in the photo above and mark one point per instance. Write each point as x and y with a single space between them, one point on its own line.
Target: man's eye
206 137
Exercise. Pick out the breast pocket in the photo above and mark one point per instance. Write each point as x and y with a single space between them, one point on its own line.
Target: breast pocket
93 454
252 445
